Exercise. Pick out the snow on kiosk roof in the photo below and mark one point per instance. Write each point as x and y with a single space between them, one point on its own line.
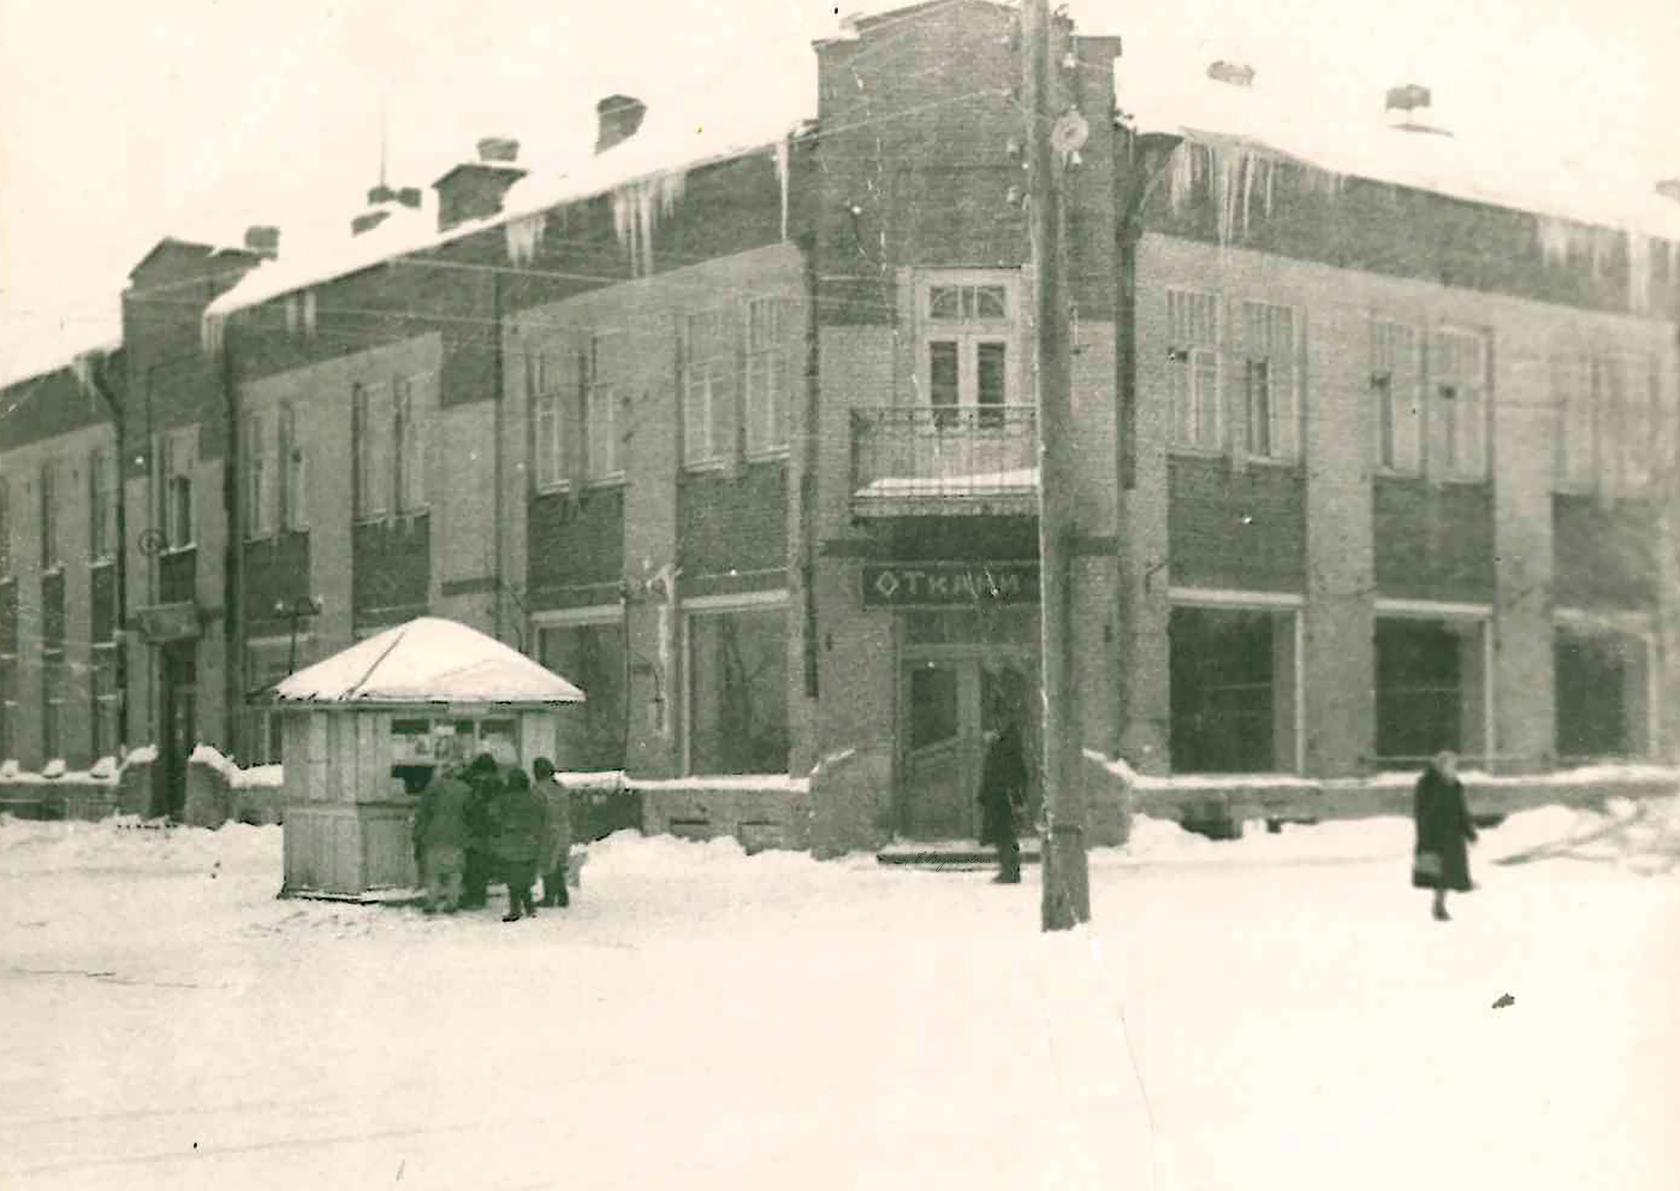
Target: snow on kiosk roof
428 660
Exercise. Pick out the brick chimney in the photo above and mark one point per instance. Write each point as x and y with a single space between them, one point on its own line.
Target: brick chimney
382 201
475 189
1237 74
618 117
264 241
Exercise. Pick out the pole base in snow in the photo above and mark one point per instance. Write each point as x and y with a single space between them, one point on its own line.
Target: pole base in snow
1067 879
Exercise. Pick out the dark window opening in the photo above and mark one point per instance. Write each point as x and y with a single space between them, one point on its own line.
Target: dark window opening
1601 695
1429 689
1232 691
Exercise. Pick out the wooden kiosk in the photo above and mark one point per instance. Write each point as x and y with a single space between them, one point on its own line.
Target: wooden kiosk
365 730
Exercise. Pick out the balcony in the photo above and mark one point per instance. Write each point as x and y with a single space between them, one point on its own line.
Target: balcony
946 460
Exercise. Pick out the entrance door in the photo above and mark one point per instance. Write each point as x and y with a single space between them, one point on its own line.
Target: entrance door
180 730
951 707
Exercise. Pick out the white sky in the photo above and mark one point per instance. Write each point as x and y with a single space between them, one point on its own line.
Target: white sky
123 123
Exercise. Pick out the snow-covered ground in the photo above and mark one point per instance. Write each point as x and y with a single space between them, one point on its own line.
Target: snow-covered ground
1273 1012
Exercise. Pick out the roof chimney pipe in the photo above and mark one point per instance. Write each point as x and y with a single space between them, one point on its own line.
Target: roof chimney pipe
1409 107
618 118
1237 74
1669 188
263 240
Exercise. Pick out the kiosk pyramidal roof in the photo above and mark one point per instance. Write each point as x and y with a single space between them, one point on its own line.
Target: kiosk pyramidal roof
428 660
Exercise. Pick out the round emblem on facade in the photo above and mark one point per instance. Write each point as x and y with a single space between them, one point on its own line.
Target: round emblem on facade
152 542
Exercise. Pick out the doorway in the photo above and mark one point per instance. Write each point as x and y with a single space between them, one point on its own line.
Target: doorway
180 728
952 703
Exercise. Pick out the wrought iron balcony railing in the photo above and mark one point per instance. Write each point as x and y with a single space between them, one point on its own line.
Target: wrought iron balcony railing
939 456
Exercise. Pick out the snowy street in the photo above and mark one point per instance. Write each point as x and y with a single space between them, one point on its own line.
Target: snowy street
1274 1012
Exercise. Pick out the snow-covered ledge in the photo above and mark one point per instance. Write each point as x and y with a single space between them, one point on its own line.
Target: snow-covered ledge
110 785
1236 798
759 810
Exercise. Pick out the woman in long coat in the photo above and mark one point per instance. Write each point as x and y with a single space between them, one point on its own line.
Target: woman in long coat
1003 785
1440 860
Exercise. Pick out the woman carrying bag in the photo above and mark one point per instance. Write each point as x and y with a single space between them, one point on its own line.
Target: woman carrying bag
1440 859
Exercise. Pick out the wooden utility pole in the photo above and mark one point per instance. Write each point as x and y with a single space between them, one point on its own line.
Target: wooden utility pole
1067 897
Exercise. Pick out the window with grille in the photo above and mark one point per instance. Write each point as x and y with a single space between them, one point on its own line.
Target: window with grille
1193 368
102 504
1395 375
706 369
601 401
1458 367
738 692
408 430
294 472
1271 387
260 495
769 331
548 404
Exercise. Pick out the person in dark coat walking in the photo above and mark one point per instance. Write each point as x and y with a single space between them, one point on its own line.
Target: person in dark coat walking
440 831
521 828
1003 788
557 847
479 845
1440 860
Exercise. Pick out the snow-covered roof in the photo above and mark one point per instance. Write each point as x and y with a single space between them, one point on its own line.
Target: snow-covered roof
669 144
1363 144
429 660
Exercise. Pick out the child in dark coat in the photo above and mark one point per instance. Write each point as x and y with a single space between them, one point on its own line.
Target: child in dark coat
521 828
1440 860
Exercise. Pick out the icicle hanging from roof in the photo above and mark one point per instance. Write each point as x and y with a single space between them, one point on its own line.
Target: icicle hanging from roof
1240 179
638 207
524 237
782 148
81 367
1639 272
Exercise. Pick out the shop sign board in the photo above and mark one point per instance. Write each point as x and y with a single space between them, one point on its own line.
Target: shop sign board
949 584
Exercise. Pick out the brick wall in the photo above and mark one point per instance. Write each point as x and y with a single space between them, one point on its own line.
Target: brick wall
575 551
1433 542
1605 553
277 577
1237 530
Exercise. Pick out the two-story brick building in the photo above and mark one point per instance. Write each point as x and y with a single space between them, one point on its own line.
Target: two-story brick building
733 425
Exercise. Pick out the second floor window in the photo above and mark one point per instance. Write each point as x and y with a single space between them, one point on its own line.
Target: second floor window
1396 373
1271 386
408 430
966 335
52 522
294 472
102 504
1458 374
601 403
767 380
1609 421
259 447
1577 423
707 368
5 527
1193 368
177 457
548 416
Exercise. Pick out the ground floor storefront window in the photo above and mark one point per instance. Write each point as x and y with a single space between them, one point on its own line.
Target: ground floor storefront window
1601 677
1233 674
737 691
1432 679
590 657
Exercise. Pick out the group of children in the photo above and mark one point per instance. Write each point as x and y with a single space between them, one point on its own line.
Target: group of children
482 819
